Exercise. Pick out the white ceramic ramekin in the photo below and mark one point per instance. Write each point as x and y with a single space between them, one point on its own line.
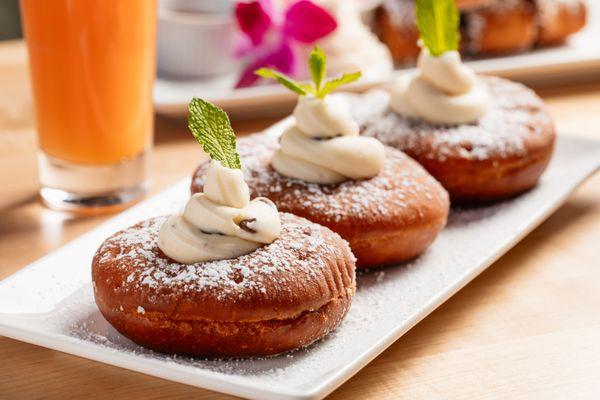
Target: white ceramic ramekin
194 44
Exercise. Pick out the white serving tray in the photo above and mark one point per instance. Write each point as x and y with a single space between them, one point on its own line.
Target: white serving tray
579 57
50 302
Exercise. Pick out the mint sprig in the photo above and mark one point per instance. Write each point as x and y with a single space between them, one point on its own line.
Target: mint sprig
333 84
438 23
317 64
319 87
211 127
293 85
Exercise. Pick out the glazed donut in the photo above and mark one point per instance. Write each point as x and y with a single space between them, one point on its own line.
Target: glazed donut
500 155
281 297
387 219
487 26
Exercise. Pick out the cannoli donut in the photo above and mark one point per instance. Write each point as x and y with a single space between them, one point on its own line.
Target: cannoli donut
560 18
499 27
386 219
378 199
499 155
397 28
228 277
280 297
483 138
487 26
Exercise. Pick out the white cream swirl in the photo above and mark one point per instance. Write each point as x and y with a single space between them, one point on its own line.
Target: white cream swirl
221 222
442 90
323 146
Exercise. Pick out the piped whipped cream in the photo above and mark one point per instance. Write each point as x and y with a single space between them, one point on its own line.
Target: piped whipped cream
221 222
442 90
323 146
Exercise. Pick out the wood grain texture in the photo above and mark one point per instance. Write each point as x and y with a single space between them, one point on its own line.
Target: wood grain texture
528 327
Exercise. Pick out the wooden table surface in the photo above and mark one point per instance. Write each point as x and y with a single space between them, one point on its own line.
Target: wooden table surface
528 327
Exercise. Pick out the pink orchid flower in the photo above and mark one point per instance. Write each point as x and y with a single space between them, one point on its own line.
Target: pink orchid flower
269 38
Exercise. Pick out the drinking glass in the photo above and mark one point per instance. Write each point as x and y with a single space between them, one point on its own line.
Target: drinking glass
92 65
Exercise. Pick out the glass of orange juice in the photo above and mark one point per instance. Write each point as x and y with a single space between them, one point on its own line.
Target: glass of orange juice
92 66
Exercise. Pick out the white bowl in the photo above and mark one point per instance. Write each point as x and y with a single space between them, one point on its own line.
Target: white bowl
196 45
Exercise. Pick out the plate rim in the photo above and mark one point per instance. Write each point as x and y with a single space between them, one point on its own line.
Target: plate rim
235 385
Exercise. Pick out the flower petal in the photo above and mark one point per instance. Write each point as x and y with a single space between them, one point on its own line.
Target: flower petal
281 58
253 19
306 22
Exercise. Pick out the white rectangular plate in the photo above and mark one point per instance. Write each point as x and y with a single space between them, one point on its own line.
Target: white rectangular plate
50 302
579 56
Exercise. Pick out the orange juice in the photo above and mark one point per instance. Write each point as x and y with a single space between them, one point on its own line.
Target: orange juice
92 66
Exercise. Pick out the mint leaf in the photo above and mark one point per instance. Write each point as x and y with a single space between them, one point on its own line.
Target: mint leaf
438 23
318 66
286 81
309 88
334 83
211 127
320 87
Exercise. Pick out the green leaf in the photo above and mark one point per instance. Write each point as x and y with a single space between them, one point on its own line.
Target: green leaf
286 81
211 127
438 23
334 83
318 66
309 88
320 87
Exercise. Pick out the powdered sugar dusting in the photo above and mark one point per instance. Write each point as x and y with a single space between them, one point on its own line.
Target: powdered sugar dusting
475 19
515 113
299 250
401 191
52 300
551 9
401 13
